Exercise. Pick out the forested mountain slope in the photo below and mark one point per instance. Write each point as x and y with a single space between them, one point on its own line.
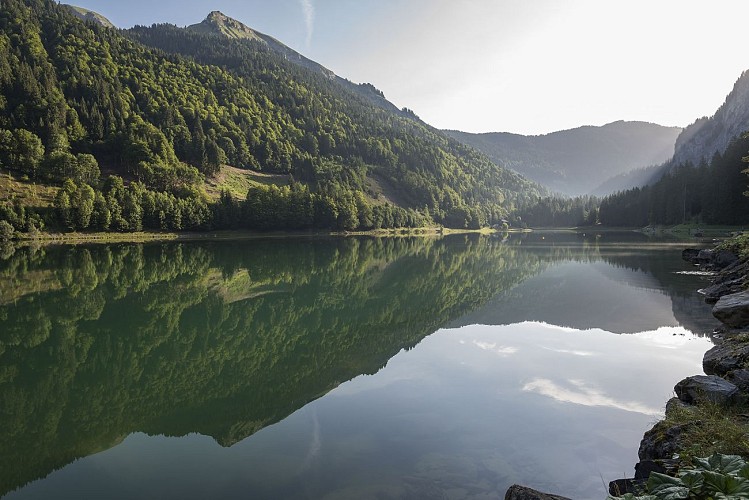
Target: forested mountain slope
220 24
577 161
78 100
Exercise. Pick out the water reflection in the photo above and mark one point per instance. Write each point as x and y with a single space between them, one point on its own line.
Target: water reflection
105 342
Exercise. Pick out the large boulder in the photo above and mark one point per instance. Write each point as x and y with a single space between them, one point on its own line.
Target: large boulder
706 388
517 492
723 258
733 309
726 357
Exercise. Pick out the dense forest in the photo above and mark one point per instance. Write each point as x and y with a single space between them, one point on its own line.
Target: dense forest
130 124
712 192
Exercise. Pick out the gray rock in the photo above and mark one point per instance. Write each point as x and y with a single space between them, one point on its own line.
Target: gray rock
706 388
739 378
723 258
717 290
733 309
736 271
662 441
517 492
705 256
725 357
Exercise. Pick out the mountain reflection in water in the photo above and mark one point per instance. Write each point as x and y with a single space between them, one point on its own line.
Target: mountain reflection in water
99 343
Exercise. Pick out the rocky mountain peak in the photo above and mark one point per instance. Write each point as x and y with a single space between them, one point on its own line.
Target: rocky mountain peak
218 23
707 136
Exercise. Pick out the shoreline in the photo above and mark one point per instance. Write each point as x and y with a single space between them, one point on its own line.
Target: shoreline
709 413
78 238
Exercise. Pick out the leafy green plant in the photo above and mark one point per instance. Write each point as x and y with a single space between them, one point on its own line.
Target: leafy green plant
739 245
719 477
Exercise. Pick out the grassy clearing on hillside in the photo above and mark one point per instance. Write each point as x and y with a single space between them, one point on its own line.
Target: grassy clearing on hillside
238 182
28 193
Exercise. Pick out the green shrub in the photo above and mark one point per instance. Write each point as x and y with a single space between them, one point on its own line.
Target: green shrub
723 477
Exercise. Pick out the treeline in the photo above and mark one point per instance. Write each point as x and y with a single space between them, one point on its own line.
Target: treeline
163 107
710 193
115 206
557 211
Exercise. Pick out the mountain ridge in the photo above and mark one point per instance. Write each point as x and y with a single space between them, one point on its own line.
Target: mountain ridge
580 160
160 109
217 23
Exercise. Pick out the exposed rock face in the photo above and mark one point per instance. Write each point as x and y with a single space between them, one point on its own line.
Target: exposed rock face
90 16
517 492
708 135
733 309
707 388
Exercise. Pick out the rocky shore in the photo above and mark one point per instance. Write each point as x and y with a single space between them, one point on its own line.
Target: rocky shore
719 395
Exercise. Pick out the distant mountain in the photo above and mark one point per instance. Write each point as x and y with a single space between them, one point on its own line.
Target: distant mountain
91 16
580 160
706 136
634 178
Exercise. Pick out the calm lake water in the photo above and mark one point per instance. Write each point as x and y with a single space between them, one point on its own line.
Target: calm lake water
340 368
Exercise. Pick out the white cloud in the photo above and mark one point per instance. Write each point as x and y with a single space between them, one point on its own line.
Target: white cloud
308 9
492 347
584 395
572 352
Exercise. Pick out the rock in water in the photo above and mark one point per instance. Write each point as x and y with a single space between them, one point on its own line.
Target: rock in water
517 492
733 310
706 388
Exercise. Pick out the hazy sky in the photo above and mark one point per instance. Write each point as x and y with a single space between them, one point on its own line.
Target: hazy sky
526 66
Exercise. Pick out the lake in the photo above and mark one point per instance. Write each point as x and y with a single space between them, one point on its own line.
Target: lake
340 368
